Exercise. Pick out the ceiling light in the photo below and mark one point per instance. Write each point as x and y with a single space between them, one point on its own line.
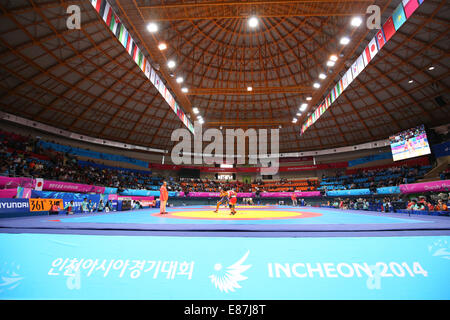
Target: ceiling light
333 57
152 27
303 106
184 89
253 22
195 110
298 114
345 40
410 81
180 80
309 98
330 63
201 121
294 120
171 64
322 76
316 85
162 46
356 21
431 68
249 88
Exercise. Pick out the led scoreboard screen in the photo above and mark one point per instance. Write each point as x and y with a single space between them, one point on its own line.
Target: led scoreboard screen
409 143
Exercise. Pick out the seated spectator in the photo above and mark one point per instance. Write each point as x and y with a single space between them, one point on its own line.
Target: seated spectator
54 209
441 206
70 207
85 206
91 206
101 206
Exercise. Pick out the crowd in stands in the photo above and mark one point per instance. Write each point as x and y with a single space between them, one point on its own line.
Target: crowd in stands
23 157
428 202
445 175
374 178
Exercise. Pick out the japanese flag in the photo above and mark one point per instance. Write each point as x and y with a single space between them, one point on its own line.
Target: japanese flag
39 184
373 49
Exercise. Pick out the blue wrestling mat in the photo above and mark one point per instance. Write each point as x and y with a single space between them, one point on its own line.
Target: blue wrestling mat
192 253
48 266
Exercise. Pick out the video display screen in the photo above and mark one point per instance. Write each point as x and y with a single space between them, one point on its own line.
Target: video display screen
409 143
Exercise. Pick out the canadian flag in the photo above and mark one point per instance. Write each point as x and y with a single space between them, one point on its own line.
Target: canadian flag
39 184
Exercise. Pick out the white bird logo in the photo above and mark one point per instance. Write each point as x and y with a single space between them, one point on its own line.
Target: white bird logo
228 280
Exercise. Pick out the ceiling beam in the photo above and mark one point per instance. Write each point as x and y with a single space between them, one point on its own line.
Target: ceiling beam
244 91
241 10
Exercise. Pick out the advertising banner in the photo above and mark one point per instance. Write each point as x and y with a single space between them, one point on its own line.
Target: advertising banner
71 187
45 204
215 194
72 267
441 185
8 205
145 201
66 197
441 150
289 194
8 193
10 182
350 192
145 193
388 190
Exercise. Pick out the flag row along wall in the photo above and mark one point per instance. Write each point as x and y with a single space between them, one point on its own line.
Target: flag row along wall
403 11
112 20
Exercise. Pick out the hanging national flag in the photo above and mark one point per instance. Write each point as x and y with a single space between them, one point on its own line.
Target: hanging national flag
118 28
142 62
370 51
399 16
333 96
147 70
115 25
39 184
135 53
121 33
410 6
380 39
130 43
344 82
157 81
388 29
101 12
152 76
349 76
124 37
140 58
107 13
421 1
373 49
99 4
162 88
336 93
96 4
355 70
360 62
341 85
